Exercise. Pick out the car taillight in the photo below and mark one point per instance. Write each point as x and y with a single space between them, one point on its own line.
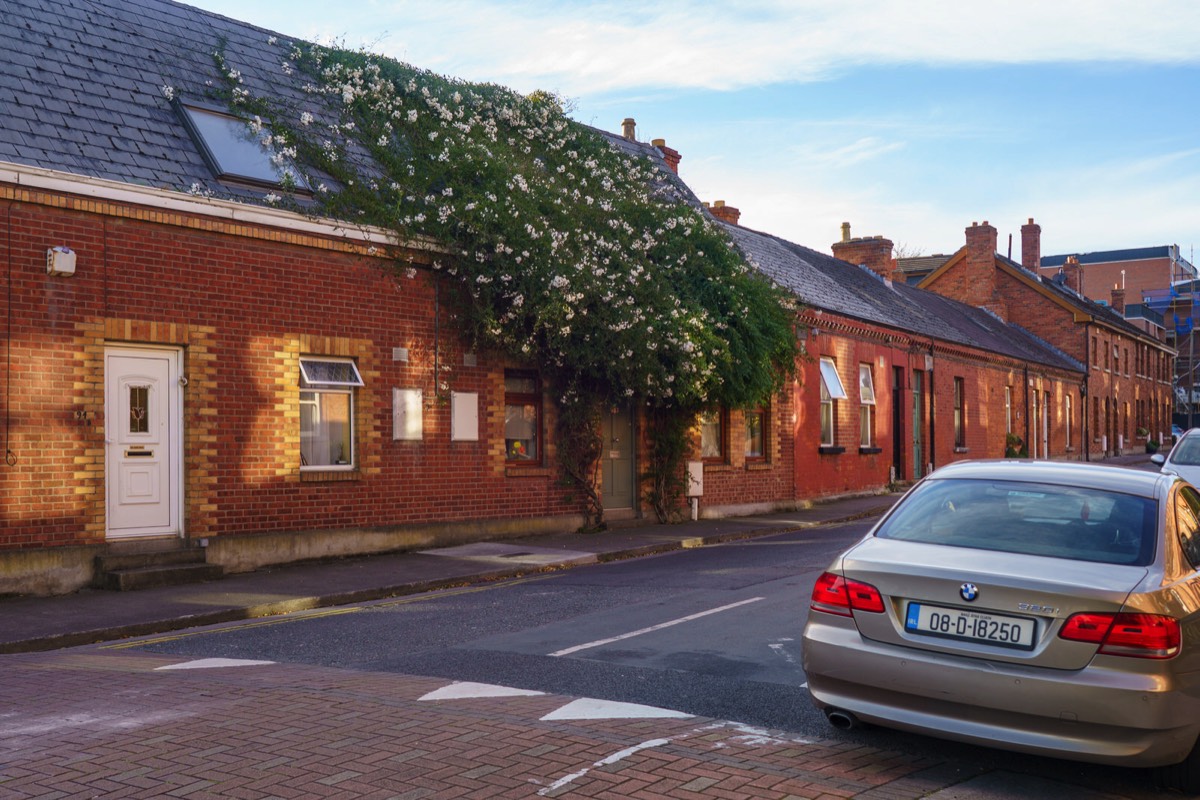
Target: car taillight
1136 635
834 594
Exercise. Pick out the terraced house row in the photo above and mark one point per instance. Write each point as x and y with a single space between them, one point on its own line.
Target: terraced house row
193 373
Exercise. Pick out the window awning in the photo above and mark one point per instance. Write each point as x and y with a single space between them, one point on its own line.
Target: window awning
830 381
329 372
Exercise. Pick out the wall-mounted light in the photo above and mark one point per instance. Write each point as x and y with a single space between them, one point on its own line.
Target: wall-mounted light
60 261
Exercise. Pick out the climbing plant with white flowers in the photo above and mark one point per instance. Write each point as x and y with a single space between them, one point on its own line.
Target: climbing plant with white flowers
573 255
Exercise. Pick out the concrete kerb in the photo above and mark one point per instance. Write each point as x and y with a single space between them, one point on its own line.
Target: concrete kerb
311 602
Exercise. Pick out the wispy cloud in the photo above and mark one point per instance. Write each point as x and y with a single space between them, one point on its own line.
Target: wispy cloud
593 47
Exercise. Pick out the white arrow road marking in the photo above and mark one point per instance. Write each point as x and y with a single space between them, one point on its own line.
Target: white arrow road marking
614 758
652 628
465 689
587 708
211 663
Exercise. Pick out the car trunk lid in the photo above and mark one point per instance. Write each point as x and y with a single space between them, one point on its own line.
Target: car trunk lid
984 604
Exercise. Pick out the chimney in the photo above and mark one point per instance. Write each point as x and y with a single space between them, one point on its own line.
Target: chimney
723 212
1031 246
980 285
1073 274
1118 299
670 155
628 128
872 252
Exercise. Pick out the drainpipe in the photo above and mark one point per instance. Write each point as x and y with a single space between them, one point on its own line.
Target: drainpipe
932 426
1087 374
1025 385
10 457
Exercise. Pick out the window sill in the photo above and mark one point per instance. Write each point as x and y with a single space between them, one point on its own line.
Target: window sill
328 475
756 466
717 466
515 471
827 450
869 451
962 450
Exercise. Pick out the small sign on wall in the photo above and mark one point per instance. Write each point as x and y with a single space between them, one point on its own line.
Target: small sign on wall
464 416
408 419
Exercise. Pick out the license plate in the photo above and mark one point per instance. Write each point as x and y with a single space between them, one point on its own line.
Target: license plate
972 626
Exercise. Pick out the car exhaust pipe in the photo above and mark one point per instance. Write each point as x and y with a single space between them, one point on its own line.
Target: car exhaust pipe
842 720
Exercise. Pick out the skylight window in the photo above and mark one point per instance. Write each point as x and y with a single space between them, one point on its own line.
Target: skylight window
234 152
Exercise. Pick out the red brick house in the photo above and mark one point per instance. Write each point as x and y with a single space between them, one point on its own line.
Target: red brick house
1128 367
1135 270
897 380
221 380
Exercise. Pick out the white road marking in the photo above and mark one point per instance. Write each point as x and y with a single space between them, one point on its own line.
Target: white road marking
614 758
587 708
465 689
652 628
212 663
750 735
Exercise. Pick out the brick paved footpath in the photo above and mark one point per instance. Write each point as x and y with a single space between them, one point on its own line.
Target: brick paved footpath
109 723
91 723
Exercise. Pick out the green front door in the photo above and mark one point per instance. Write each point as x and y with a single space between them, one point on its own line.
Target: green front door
617 456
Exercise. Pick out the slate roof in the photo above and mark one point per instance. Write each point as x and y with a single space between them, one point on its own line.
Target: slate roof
824 282
81 86
1100 312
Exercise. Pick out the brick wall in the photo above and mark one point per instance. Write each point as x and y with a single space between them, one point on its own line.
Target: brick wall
242 303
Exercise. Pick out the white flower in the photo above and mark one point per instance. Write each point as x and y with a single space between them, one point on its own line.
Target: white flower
272 198
168 91
306 119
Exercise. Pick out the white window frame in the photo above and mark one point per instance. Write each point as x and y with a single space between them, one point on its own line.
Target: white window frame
866 407
831 391
316 386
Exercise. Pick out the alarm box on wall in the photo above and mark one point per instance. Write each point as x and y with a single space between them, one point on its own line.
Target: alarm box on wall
60 261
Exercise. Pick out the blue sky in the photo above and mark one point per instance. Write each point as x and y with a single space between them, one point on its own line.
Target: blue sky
910 119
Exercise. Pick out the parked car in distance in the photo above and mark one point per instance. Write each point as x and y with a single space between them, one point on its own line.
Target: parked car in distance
1183 459
1176 433
1048 608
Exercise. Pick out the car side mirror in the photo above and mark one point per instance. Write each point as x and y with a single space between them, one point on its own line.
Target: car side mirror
1159 459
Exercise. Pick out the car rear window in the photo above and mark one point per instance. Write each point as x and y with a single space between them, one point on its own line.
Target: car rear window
1031 518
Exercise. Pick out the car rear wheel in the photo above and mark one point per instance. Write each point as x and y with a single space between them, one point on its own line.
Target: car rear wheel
1182 777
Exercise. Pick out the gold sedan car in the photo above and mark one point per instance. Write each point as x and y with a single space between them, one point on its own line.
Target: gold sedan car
1048 608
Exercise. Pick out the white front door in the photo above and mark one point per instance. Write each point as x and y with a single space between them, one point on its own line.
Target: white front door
142 421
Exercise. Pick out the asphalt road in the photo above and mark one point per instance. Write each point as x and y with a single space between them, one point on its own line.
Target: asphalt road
713 632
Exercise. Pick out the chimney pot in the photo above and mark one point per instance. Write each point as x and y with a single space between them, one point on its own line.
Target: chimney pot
669 154
1031 246
629 128
722 211
873 252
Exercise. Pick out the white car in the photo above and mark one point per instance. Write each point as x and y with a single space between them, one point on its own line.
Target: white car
1183 459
